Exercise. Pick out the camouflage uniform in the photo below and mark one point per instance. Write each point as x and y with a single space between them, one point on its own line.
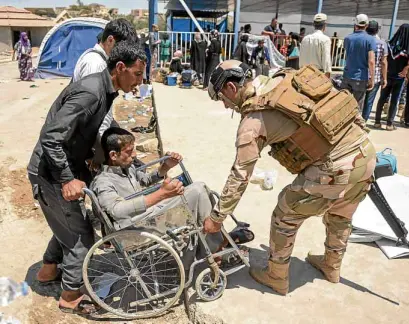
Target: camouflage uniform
332 188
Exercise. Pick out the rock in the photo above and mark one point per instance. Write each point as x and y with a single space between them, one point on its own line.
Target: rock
132 120
149 145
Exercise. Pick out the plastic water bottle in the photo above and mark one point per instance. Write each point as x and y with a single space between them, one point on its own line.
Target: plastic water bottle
9 320
10 290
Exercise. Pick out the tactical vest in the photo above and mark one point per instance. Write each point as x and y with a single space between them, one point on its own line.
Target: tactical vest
324 114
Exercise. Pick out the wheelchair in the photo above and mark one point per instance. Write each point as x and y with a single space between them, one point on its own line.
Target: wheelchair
137 272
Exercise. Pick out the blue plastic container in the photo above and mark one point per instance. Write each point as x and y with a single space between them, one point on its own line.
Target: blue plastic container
172 80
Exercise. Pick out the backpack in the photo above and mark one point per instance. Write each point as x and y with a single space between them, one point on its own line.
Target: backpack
386 164
324 114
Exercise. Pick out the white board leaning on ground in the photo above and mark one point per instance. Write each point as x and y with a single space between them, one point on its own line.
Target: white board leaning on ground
368 219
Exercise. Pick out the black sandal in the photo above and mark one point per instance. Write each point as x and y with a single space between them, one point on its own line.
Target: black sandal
242 235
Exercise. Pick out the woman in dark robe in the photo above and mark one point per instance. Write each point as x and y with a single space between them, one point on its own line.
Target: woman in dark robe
24 52
213 57
198 56
241 54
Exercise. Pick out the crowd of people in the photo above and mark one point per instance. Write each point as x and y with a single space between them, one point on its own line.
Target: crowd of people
370 63
80 133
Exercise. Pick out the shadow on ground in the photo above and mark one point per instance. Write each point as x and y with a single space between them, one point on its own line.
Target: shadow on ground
301 273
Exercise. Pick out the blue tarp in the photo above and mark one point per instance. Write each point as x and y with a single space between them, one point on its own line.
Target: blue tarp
63 48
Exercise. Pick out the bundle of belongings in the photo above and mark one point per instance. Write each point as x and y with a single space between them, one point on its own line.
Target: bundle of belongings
276 59
382 216
189 77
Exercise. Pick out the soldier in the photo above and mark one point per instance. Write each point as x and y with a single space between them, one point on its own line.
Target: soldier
315 132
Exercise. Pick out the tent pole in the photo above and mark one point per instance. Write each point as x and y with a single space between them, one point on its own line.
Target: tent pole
183 3
319 9
394 16
153 13
236 23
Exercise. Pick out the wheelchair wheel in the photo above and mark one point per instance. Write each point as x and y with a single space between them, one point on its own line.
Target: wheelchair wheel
141 276
204 282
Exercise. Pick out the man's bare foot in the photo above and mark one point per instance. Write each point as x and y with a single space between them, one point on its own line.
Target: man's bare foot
74 302
48 272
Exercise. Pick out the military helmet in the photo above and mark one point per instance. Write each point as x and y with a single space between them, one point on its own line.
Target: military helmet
225 71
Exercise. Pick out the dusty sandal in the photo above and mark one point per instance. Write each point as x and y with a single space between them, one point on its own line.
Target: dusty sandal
232 259
84 307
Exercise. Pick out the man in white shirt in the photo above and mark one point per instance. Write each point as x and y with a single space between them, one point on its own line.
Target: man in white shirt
94 60
316 47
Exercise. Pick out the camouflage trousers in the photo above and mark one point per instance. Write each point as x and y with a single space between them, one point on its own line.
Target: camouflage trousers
332 190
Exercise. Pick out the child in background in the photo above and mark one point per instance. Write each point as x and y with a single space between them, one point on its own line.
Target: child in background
176 64
164 50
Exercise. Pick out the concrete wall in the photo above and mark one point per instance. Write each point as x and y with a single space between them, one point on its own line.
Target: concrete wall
343 25
37 35
259 20
5 39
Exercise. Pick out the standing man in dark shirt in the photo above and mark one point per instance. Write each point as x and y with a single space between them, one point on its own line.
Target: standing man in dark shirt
398 67
272 30
359 72
58 167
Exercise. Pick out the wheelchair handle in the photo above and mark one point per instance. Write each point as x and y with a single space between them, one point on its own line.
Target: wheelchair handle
143 167
163 159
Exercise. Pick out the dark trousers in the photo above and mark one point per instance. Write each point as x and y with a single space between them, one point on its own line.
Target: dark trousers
369 100
211 64
406 115
393 89
357 88
73 234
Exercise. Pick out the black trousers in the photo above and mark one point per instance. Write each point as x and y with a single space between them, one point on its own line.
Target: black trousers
393 89
73 234
406 116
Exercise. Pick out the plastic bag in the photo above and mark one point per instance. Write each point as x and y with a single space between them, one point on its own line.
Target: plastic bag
266 179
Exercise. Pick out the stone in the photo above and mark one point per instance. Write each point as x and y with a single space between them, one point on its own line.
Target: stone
149 145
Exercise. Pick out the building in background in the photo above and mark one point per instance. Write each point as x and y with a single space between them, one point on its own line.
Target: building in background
139 13
14 20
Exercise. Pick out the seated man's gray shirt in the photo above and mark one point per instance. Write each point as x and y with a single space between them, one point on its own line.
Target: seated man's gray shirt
113 183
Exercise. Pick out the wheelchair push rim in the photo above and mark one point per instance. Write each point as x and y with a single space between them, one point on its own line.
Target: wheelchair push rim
142 276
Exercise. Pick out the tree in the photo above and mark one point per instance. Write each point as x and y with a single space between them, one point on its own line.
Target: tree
80 3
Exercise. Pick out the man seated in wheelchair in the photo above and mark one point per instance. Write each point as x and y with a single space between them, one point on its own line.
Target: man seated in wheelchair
118 179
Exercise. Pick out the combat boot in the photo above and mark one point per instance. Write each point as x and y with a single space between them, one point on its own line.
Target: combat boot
329 264
275 276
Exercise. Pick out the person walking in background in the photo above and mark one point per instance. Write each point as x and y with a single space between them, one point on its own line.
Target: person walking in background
24 53
293 52
198 56
241 54
259 58
381 68
302 33
398 67
154 41
316 47
164 50
213 57
280 26
359 71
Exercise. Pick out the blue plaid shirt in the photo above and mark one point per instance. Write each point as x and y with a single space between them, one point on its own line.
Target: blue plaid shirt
381 52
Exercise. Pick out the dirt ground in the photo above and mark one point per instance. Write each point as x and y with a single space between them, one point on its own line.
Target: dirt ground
24 232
